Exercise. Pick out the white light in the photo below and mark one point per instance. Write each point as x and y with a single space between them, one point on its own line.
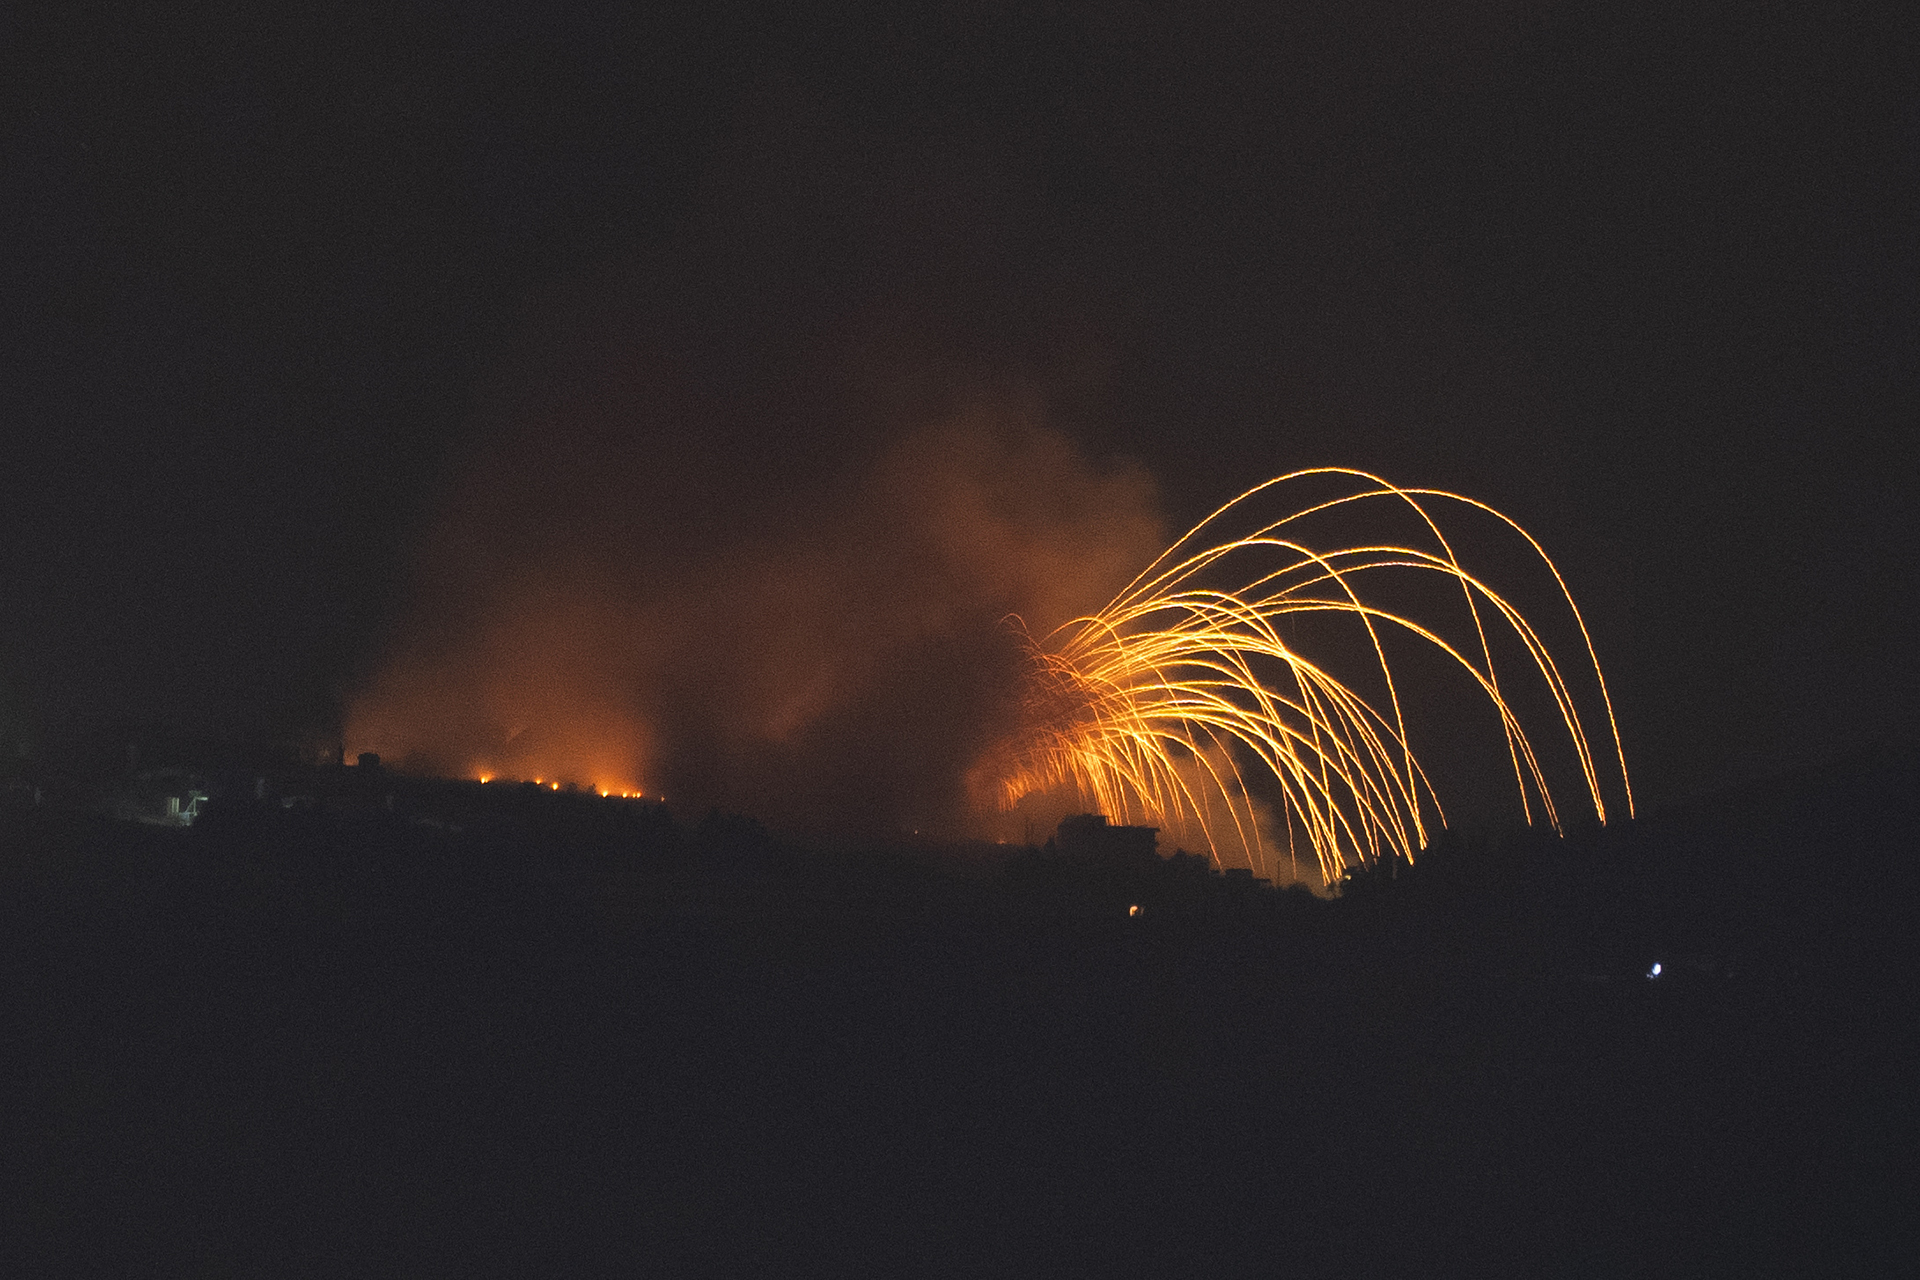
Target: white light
1655 971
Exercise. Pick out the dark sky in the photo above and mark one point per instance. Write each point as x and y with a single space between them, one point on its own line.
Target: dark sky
1644 277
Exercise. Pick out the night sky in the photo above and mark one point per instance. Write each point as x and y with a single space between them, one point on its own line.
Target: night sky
283 298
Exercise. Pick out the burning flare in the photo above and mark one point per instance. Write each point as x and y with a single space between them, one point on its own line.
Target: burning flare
1164 705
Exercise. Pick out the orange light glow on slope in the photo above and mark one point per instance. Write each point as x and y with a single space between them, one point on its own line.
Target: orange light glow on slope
533 691
1150 709
605 791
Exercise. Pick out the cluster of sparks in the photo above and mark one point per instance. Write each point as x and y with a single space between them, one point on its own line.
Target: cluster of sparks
1163 706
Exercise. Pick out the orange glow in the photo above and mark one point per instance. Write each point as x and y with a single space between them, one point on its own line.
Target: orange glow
604 791
831 656
532 689
1150 708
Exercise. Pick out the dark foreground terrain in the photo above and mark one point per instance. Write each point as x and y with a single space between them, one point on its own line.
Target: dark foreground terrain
588 1040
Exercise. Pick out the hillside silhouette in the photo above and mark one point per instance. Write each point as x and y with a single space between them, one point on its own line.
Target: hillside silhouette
376 1024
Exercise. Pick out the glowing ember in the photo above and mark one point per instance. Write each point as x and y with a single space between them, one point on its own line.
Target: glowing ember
1152 708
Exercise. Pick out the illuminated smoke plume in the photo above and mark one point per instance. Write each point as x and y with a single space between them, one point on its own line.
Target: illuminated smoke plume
734 541
822 645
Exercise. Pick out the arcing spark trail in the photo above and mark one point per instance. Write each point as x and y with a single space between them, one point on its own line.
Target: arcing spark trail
1164 704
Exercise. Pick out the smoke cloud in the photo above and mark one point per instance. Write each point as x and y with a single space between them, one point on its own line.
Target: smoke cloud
631 594
751 504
